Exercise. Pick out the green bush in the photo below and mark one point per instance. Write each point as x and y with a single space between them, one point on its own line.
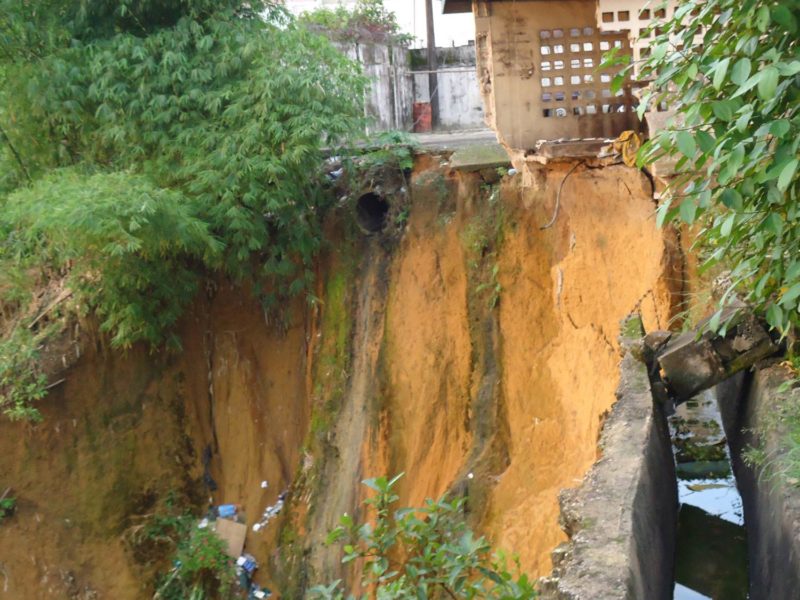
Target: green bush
21 382
202 569
147 145
426 552
131 249
369 20
225 112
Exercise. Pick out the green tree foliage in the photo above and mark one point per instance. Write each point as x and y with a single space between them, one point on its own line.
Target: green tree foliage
736 138
129 247
21 382
369 20
144 144
232 111
426 552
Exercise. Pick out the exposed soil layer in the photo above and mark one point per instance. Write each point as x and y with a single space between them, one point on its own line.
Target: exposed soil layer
564 291
125 432
473 342
622 519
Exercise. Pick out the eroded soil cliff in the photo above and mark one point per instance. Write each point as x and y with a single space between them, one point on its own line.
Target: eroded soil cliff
464 340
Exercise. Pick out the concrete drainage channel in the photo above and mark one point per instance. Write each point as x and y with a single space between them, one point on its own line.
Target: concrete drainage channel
640 531
711 553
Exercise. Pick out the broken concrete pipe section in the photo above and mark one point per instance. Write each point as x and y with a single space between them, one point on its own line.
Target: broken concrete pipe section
682 366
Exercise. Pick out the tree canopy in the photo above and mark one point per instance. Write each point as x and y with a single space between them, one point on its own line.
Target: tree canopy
145 144
368 20
731 70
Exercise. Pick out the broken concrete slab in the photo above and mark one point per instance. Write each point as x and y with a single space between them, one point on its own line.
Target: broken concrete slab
698 360
476 158
569 149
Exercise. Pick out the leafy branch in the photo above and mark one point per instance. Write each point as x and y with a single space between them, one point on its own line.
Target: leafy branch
426 552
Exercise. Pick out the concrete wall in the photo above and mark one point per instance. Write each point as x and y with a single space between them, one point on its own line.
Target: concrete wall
394 87
460 104
751 403
390 94
622 521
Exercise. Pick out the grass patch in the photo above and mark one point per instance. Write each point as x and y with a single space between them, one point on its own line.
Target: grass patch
782 423
482 239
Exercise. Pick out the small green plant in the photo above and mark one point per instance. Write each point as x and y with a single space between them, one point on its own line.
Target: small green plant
780 459
402 217
202 569
155 536
426 552
493 286
7 508
21 382
393 149
481 239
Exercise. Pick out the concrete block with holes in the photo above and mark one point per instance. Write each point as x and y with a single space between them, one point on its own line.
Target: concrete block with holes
538 70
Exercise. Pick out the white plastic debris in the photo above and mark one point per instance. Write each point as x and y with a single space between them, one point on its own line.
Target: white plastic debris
202 524
470 476
271 512
264 484
512 172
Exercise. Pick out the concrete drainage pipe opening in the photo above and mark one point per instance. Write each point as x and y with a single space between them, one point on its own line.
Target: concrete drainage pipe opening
371 212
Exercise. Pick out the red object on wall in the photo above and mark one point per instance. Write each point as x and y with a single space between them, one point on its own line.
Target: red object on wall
422 117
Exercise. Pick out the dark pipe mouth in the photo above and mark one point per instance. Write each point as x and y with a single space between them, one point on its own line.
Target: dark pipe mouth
371 211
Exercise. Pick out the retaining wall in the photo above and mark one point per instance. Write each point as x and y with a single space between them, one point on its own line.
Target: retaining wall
750 403
622 521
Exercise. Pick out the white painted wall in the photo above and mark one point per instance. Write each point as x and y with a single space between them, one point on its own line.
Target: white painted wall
388 102
460 103
394 87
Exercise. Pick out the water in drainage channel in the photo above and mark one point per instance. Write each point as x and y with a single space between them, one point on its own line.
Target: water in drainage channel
711 557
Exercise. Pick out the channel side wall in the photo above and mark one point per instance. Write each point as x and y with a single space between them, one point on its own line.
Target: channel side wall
751 403
622 520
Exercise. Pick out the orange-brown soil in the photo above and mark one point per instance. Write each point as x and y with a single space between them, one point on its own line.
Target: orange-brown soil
475 342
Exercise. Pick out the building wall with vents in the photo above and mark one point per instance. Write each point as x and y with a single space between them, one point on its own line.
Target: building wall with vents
537 67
